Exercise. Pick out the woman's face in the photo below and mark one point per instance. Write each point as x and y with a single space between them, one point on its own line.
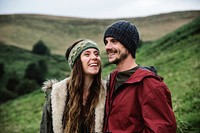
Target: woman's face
91 61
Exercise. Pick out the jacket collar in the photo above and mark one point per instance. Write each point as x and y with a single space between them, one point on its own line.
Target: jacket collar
139 75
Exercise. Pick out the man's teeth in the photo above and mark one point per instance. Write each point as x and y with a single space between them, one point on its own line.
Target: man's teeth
111 53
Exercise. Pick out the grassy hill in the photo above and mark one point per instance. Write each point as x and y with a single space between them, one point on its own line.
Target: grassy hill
16 60
58 32
175 55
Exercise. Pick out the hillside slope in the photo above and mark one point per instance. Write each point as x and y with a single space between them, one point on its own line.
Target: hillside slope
16 60
58 32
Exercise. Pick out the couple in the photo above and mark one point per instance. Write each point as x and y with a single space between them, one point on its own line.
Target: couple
133 99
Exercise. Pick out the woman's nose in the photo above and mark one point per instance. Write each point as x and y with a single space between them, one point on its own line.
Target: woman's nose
94 56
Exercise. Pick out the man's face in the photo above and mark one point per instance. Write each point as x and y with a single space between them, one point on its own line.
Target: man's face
115 50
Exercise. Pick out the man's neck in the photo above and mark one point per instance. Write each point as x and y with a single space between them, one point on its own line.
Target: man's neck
126 64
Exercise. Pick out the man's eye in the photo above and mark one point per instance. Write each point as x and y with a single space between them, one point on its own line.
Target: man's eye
106 42
114 41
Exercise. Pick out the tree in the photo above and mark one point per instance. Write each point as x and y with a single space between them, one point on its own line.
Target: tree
33 72
43 66
2 71
26 86
37 71
40 48
12 84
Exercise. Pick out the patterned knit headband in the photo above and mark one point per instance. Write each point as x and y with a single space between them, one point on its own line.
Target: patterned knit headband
78 49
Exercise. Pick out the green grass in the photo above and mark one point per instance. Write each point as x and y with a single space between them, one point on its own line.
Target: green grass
176 61
23 114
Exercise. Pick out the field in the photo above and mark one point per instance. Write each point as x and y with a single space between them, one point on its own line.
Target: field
59 32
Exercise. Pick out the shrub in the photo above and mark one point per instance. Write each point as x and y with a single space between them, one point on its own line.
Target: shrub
2 71
43 67
12 83
33 72
37 71
6 95
40 48
26 86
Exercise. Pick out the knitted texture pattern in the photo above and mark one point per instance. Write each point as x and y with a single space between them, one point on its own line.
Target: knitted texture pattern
78 49
126 33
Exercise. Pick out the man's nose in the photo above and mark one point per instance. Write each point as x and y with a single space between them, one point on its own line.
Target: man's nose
108 45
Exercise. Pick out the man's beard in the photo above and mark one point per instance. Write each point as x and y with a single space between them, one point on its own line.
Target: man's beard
122 57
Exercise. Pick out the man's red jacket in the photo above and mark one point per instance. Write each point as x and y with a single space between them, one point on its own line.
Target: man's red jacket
142 104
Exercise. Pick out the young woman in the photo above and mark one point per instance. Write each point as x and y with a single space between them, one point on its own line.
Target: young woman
76 104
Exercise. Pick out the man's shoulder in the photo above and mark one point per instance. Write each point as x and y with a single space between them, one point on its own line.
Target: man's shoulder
151 78
145 73
149 68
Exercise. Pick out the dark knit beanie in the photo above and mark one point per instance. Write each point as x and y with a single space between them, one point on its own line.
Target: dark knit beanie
126 33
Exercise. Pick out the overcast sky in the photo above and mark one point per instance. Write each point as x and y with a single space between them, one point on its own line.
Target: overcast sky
97 8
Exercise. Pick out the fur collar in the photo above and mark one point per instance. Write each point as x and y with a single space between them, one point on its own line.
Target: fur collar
58 98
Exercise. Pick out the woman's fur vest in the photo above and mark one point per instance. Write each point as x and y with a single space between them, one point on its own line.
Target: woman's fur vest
58 94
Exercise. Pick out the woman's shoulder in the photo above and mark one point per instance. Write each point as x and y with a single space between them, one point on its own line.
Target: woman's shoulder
53 84
47 85
60 84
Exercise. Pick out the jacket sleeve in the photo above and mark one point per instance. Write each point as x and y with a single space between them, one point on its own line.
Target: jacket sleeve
46 122
156 107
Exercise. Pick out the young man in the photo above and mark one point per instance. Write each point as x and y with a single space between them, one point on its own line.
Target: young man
138 100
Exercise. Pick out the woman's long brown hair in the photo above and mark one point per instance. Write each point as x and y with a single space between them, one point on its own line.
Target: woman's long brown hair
75 85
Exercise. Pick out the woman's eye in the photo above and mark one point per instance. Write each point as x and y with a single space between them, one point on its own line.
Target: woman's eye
87 54
97 54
